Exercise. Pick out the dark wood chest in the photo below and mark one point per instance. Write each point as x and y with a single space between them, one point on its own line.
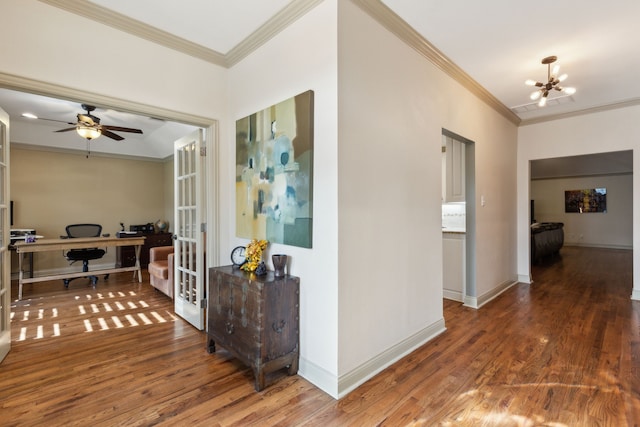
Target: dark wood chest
255 318
126 255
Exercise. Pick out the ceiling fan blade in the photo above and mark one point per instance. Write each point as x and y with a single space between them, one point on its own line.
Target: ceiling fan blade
121 129
66 130
54 120
111 135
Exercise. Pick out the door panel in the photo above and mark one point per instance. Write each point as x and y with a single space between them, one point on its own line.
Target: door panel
5 256
189 236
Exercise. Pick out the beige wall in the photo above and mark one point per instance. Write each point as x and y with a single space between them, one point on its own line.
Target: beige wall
393 105
613 229
168 192
598 132
51 190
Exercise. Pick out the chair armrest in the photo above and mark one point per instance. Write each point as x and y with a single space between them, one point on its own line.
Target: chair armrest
160 253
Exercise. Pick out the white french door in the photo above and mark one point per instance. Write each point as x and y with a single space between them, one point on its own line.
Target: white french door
189 229
5 256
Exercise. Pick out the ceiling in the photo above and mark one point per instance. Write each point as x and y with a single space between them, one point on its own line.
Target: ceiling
497 43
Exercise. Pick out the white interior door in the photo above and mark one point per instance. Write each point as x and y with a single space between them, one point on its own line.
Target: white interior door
5 256
189 229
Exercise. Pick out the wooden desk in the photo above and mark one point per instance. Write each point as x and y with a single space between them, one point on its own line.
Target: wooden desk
45 245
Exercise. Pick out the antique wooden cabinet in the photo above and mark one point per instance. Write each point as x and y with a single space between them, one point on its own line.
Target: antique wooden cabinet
255 318
126 255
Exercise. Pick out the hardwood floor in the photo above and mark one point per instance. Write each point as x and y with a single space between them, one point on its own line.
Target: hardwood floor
564 351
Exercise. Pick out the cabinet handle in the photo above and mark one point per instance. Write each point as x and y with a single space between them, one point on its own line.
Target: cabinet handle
229 327
278 327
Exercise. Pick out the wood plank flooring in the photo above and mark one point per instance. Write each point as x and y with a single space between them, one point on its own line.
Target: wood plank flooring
564 351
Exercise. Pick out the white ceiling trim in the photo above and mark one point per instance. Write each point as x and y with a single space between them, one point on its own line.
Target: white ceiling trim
23 84
134 27
291 13
266 32
613 106
86 153
392 22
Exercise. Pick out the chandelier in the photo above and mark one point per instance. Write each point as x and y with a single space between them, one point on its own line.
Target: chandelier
553 83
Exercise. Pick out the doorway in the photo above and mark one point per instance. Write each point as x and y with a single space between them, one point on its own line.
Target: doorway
154 113
459 218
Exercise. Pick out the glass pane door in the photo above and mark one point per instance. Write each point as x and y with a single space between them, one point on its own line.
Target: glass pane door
188 246
5 257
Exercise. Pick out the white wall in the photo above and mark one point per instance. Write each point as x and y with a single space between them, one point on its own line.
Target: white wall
302 57
612 130
613 229
393 104
372 283
47 44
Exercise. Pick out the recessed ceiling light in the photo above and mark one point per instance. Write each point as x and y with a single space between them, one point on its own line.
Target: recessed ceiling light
29 115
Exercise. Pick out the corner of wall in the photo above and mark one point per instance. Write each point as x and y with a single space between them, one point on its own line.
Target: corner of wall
364 372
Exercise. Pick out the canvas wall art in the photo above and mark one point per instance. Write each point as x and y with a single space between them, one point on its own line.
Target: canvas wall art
585 201
274 173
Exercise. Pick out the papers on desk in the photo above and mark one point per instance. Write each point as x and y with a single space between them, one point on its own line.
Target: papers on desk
24 236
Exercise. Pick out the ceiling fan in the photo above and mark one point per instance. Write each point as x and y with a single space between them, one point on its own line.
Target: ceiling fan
553 82
88 126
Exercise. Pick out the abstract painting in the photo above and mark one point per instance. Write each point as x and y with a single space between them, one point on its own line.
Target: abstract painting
274 173
585 201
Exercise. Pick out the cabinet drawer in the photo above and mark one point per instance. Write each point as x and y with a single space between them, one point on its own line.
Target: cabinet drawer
230 334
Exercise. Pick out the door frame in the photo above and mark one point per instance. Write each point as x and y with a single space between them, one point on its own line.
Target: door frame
210 126
5 271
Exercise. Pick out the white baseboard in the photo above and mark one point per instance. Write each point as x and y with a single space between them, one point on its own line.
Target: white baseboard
349 381
525 278
471 302
635 295
453 295
477 302
596 245
321 378
62 270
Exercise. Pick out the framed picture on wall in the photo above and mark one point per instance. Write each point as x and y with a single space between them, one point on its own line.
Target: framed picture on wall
586 201
274 173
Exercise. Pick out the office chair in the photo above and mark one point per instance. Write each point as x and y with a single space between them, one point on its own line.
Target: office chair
84 255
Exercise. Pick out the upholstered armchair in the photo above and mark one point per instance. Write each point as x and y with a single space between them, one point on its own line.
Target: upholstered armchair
161 269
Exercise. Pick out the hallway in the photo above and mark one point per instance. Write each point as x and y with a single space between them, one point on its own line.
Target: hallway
563 351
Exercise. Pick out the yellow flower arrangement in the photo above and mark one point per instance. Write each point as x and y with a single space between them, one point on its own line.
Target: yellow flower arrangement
254 254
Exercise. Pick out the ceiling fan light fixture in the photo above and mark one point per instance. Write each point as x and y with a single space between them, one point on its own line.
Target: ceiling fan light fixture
88 132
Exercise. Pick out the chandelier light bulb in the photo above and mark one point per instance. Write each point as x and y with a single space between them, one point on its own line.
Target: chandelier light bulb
569 90
542 102
563 77
535 95
556 70
530 82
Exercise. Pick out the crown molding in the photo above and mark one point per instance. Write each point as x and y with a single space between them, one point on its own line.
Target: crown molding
392 22
84 153
598 109
288 15
24 84
137 28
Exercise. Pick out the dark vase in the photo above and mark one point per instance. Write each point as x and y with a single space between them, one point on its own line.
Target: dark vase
279 263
